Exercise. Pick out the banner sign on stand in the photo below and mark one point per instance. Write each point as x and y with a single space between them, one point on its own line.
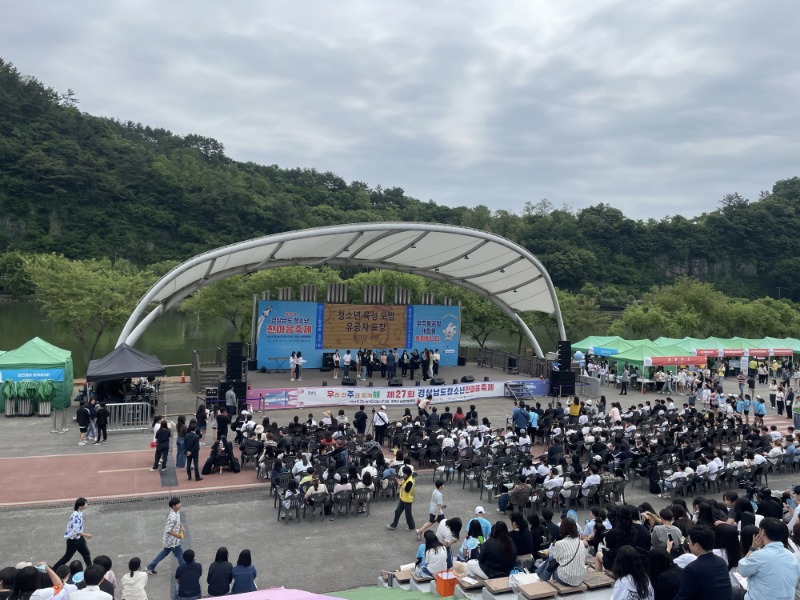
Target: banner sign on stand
266 399
664 361
34 374
315 328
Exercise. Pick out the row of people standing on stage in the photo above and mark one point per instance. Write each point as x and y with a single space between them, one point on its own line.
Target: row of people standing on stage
366 362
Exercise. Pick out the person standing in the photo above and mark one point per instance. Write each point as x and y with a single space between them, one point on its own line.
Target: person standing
346 364
173 534
406 500
380 420
299 361
187 578
231 403
163 436
192 445
623 382
223 420
101 420
83 417
705 578
336 360
391 364
360 420
75 535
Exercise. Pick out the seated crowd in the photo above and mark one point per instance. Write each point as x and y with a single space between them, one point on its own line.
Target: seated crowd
96 581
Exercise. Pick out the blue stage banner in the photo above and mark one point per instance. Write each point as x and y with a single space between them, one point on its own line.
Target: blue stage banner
410 327
34 373
436 327
286 327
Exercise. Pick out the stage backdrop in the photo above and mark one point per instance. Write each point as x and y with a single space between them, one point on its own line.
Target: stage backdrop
315 328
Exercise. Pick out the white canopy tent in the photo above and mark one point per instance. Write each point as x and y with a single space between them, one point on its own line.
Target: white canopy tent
487 264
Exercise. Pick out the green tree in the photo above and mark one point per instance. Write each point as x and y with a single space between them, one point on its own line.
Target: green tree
86 297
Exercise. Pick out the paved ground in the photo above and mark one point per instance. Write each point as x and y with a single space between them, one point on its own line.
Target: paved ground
233 511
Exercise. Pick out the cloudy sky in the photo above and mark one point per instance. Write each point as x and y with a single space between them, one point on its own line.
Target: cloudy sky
657 108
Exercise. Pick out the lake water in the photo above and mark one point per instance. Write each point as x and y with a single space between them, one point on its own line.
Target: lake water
172 337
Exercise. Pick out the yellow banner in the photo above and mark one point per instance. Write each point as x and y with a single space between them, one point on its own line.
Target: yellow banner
354 326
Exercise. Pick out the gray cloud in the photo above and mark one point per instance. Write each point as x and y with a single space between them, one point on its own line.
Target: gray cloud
655 108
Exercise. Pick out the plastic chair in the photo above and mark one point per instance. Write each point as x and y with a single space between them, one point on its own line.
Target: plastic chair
341 500
362 497
315 501
294 504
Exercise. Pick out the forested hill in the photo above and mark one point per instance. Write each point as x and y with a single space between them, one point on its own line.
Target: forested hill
84 186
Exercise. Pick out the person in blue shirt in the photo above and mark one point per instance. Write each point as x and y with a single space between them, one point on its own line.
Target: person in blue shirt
771 570
244 574
520 417
486 526
533 420
759 410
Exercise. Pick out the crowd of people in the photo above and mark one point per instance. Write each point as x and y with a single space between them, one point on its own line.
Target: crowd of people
709 550
94 578
365 363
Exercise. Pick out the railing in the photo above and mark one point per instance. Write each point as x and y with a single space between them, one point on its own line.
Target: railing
129 416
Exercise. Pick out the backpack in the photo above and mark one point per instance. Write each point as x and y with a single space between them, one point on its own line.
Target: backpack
235 466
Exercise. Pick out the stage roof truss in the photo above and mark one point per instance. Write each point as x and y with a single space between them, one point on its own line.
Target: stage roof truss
485 263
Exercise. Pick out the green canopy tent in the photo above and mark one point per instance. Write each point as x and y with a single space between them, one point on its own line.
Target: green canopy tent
38 360
635 356
597 341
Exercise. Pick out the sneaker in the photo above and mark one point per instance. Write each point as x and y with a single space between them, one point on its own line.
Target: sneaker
292 379
163 468
153 469
81 443
151 571
96 444
104 441
390 527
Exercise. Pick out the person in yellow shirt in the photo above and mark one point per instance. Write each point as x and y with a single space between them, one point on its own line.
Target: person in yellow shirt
406 500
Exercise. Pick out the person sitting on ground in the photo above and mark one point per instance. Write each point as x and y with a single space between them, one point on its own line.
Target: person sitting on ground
220 574
521 536
632 581
187 578
570 554
498 555
244 573
435 556
470 548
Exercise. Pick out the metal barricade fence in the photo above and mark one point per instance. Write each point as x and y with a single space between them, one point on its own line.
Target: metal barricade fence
590 386
129 416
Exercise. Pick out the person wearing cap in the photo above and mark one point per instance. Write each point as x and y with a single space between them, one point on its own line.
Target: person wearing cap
171 540
486 526
380 420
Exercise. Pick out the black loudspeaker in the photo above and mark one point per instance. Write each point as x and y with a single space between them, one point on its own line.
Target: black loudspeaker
462 361
564 355
396 382
455 381
562 383
349 381
467 379
235 346
486 379
437 381
327 362
236 371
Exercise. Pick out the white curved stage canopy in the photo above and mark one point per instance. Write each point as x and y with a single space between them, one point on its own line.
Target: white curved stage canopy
487 264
